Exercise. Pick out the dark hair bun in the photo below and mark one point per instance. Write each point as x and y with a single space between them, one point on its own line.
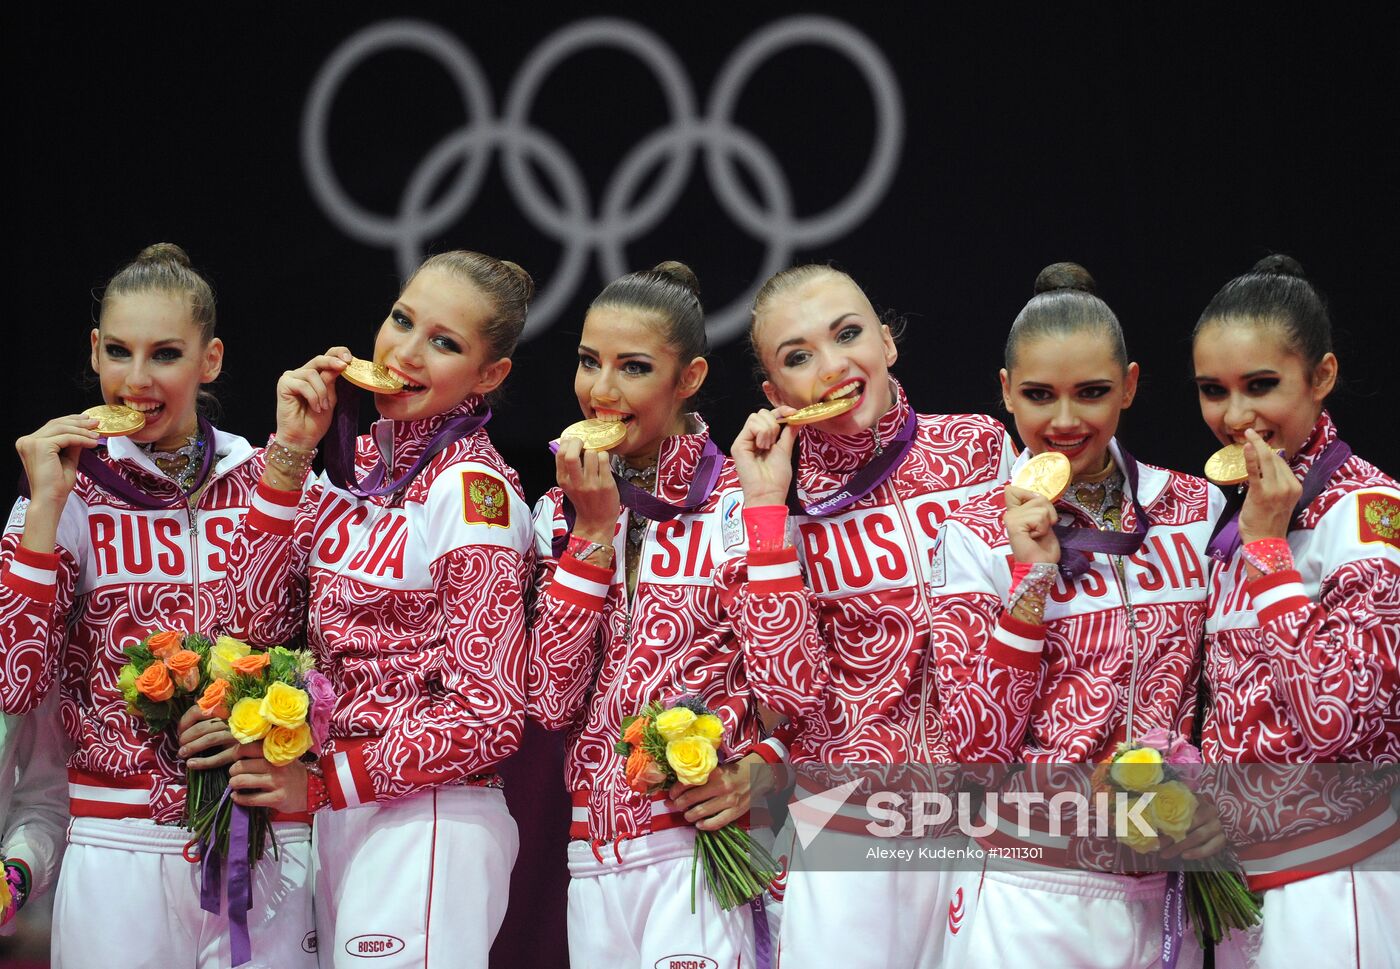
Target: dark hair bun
525 280
163 252
1064 275
681 273
1279 265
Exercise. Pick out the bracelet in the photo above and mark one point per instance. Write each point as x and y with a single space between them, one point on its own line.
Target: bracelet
582 549
14 889
317 796
766 527
291 461
1030 584
1268 555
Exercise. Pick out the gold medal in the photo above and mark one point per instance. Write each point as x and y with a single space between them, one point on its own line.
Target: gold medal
1226 466
822 410
1047 474
116 420
596 435
372 376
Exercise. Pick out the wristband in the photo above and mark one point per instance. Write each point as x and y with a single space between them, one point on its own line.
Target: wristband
1268 555
14 889
291 461
582 549
766 528
316 795
1030 584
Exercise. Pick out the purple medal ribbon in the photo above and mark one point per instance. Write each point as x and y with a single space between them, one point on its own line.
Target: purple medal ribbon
762 944
112 481
1226 540
1075 541
240 881
340 446
1173 919
702 485
871 475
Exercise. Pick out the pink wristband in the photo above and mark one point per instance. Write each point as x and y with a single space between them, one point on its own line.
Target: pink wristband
766 528
1019 571
1268 555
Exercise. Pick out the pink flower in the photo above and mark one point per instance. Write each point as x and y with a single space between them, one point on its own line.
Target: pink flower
1177 752
322 695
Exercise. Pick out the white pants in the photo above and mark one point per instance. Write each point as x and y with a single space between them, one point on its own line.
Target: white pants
893 916
1089 920
636 912
1338 919
128 899
422 881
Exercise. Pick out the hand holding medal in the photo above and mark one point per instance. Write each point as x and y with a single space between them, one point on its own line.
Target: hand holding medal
306 398
762 455
1273 494
1030 511
583 470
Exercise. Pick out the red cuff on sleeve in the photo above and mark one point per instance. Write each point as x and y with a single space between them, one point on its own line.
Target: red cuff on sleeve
1277 594
347 775
775 571
273 510
1017 643
33 574
582 584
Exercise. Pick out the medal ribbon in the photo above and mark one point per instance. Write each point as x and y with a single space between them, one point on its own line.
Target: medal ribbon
340 446
871 475
634 499
1173 919
1075 541
112 481
1226 540
240 881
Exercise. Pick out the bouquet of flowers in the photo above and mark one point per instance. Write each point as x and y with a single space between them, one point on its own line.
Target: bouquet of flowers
1168 766
679 742
276 696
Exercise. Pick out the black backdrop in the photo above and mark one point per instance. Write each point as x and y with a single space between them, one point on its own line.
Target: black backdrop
1164 151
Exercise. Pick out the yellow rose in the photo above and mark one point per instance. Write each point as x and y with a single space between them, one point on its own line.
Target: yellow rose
1138 769
675 723
1128 831
245 721
283 745
285 706
226 649
1172 810
692 758
709 728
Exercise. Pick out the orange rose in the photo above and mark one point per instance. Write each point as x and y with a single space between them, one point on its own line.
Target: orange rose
251 665
155 684
184 667
214 702
642 772
635 731
164 645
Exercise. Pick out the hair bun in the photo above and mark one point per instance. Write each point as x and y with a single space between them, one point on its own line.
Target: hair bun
1279 265
163 252
1064 275
681 273
525 279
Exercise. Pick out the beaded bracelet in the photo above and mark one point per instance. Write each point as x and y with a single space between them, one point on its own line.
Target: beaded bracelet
291 461
1268 555
15 888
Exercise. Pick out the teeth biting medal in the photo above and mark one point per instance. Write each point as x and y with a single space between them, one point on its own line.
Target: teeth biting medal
822 410
1047 474
372 376
116 420
1226 466
596 434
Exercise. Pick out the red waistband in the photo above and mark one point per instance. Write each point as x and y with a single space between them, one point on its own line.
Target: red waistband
662 817
99 796
1269 864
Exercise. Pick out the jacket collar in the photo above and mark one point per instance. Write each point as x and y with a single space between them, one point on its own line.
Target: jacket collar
399 443
826 460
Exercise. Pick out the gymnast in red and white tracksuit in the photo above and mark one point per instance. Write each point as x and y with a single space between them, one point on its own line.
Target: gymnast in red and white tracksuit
632 612
1111 629
1303 636
872 557
85 571
413 596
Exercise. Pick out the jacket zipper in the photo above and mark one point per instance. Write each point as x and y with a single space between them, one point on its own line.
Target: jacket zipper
912 542
1119 574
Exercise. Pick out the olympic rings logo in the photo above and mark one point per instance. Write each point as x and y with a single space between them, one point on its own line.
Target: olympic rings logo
573 221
